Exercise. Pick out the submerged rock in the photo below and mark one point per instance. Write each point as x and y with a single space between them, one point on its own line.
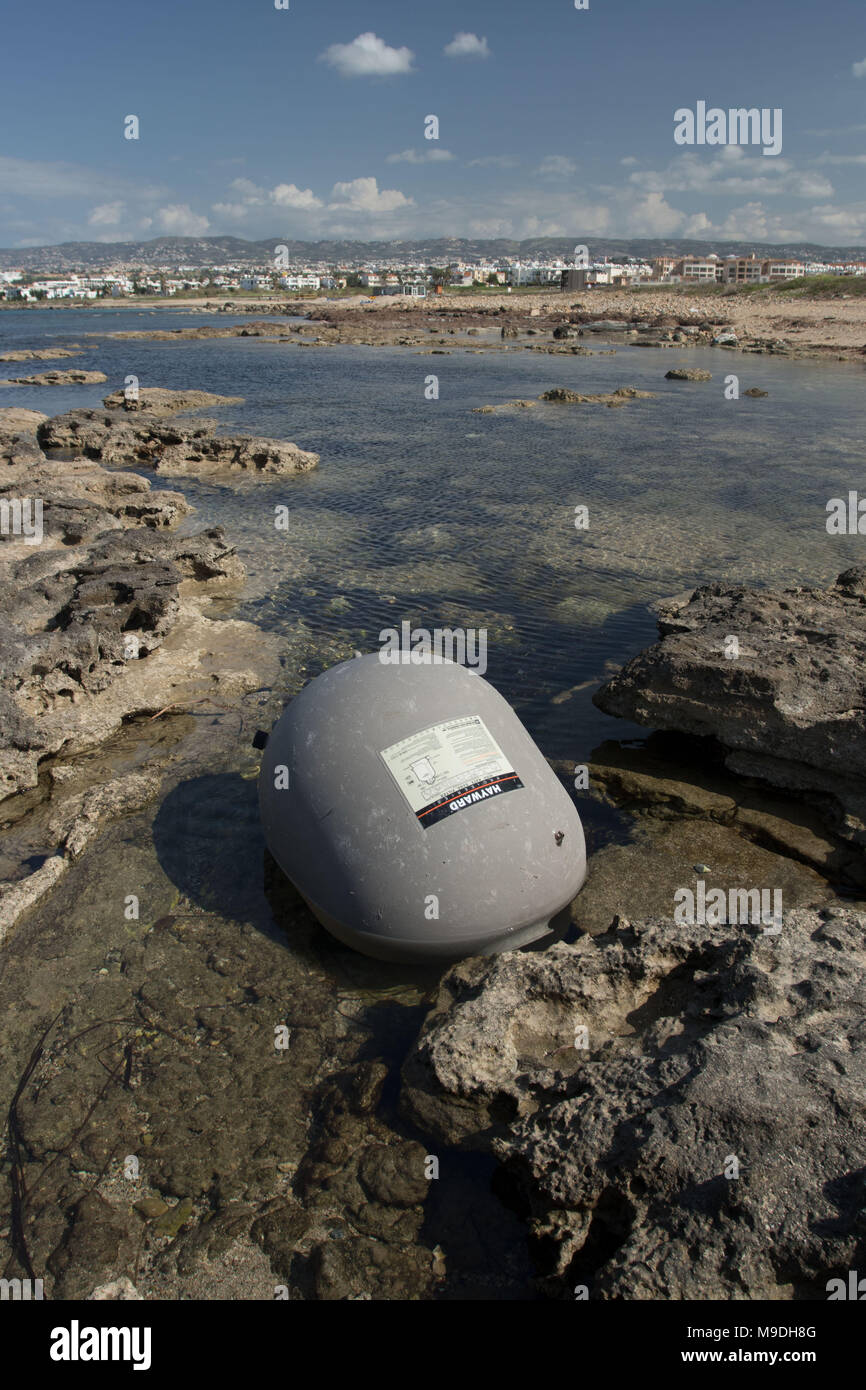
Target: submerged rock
632 1086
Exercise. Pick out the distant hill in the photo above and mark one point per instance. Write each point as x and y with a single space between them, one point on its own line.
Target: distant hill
227 250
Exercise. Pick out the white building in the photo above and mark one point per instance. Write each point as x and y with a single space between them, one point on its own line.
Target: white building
303 281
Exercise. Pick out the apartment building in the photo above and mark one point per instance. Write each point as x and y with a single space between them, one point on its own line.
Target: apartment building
783 270
692 269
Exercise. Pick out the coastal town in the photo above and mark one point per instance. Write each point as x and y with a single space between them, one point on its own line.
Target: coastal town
126 281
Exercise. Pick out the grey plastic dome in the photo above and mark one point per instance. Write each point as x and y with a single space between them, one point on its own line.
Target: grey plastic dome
414 813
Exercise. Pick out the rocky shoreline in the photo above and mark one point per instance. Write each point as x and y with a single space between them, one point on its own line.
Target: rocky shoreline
106 618
613 1146
777 678
770 323
679 1108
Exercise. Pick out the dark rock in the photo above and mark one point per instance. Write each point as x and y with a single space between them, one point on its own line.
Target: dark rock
626 1149
98 1243
794 699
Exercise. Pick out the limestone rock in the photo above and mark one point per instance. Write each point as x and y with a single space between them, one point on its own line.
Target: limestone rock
112 437
73 377
155 400
794 699
702 1139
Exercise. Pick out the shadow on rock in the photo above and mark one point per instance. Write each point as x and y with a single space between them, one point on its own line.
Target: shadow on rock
209 842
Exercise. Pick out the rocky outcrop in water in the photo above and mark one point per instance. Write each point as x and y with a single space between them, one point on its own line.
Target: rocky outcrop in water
37 354
562 395
18 446
777 677
77 498
680 1107
110 436
75 623
104 621
73 377
157 400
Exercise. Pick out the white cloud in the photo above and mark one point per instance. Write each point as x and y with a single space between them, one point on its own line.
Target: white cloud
823 223
106 215
843 159
492 227
732 171
284 195
466 46
178 219
288 195
249 191
494 161
539 226
431 156
838 130
859 69
556 166
367 56
233 212
364 195
698 225
657 216
628 161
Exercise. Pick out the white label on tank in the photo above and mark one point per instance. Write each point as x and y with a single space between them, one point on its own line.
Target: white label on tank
448 767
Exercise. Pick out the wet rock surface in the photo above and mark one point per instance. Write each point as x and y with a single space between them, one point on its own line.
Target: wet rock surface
261 1168
36 354
109 436
200 1105
76 624
790 706
18 444
708 1052
105 621
73 377
561 394
158 400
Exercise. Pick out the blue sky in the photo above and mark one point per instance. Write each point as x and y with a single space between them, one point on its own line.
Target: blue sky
309 122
